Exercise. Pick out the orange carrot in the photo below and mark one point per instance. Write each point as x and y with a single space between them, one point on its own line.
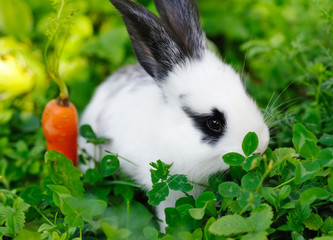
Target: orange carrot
59 123
59 119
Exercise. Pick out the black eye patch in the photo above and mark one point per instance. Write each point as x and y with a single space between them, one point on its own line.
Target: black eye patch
212 125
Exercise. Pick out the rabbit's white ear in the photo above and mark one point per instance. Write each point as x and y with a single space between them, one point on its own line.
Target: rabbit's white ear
154 48
182 17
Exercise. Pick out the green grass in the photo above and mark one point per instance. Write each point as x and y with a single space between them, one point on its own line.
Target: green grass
283 49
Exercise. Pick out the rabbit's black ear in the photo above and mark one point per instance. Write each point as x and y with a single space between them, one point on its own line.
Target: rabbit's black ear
152 44
182 17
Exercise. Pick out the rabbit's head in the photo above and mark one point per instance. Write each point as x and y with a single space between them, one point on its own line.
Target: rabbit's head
203 91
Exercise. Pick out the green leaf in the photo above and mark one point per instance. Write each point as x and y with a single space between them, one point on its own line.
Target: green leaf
288 205
97 141
323 238
203 198
203 203
64 173
297 216
207 226
250 181
312 194
282 154
284 192
250 143
261 218
231 204
48 197
229 189
325 157
14 217
233 159
237 173
216 179
158 194
296 236
245 197
93 176
126 192
109 165
197 234
87 208
330 181
74 220
197 213
270 196
314 222
185 200
45 227
161 171
172 216
20 205
251 162
150 233
25 234
306 170
255 236
209 208
112 232
327 226
76 208
184 236
179 182
87 132
4 231
169 237
60 193
32 194
229 225
305 142
326 139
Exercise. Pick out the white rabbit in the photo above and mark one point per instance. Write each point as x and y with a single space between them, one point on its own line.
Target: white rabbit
182 104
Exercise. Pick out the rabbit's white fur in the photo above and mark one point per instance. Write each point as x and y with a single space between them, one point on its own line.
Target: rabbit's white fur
146 121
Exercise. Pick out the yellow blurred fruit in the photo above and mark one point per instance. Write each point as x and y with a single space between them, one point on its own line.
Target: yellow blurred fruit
14 79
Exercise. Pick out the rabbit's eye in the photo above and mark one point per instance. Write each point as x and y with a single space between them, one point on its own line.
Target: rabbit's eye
211 125
215 125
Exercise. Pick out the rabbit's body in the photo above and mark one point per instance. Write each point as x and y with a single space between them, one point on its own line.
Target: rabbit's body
183 105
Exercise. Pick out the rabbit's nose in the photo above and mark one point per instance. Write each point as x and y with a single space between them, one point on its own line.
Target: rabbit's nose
263 136
261 148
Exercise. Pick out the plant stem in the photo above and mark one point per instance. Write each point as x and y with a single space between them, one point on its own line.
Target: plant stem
127 160
122 183
200 184
248 205
128 212
268 169
55 218
42 214
53 69
320 79
282 184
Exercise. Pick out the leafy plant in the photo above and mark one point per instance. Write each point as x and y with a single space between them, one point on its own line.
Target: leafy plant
283 50
278 197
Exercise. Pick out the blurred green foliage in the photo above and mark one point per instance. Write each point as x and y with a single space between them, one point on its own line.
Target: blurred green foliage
281 48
